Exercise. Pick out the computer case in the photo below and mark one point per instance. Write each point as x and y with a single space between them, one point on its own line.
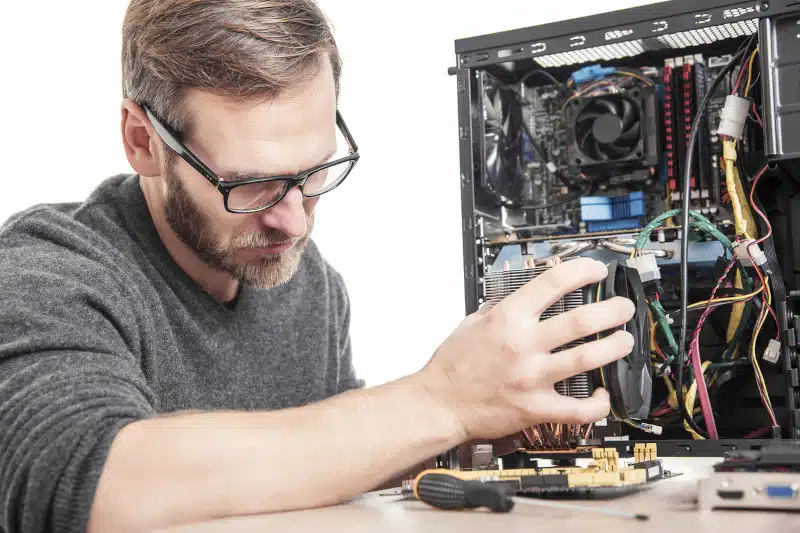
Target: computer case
544 178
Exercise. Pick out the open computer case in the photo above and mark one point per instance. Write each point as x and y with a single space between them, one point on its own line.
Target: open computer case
591 137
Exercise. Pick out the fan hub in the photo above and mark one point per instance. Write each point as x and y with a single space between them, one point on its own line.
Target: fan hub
607 128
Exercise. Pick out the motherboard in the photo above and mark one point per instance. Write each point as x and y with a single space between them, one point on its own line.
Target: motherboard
604 155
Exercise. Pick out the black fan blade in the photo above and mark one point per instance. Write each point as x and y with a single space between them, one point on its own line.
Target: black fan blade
614 151
581 131
628 114
607 106
588 116
599 154
583 142
631 135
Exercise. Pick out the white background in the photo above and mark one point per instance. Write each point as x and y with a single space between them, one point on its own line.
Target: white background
393 230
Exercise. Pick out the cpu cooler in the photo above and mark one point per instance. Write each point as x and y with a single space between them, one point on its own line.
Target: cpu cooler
613 132
629 380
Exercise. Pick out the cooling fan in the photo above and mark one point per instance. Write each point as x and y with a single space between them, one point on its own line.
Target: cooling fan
503 171
629 381
611 132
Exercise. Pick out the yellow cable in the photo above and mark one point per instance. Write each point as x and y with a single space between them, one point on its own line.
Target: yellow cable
743 217
672 397
652 327
736 315
634 75
729 299
750 72
760 382
729 155
668 204
690 399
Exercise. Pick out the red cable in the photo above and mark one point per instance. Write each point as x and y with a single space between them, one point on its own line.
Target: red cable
739 81
697 366
755 207
755 112
762 239
764 292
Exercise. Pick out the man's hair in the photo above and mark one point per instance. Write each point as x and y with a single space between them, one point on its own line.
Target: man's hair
242 49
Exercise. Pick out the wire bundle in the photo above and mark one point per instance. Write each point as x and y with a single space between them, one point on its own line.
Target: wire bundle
699 369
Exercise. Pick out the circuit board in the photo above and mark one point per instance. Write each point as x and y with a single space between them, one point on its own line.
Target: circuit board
555 195
606 476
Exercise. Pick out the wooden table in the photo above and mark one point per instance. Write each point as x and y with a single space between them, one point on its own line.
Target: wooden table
670 504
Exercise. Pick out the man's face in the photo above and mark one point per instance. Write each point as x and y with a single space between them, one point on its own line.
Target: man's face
282 136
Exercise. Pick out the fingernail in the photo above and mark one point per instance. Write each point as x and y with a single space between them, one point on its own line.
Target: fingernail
631 307
629 340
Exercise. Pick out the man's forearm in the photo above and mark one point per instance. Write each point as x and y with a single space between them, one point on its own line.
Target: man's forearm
196 467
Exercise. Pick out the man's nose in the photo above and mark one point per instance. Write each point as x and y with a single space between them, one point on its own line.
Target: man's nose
288 215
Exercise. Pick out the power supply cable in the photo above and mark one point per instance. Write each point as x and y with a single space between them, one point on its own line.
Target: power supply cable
684 271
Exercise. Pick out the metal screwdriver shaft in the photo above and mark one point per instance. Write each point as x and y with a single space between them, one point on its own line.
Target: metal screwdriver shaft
581 508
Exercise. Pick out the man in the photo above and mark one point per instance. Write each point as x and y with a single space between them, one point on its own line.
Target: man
175 349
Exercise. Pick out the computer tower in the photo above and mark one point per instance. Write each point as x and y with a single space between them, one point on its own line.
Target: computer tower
591 136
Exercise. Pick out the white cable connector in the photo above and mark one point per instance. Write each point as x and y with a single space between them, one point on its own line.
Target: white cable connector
733 116
551 167
755 251
772 353
651 428
647 267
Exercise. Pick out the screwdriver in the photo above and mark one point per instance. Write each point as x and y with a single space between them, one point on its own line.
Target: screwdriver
443 489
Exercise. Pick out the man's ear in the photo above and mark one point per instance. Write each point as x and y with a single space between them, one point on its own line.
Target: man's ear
142 146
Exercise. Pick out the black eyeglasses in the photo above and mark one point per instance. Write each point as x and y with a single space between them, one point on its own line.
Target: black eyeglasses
256 194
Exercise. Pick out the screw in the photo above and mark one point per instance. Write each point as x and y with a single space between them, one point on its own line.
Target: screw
762 6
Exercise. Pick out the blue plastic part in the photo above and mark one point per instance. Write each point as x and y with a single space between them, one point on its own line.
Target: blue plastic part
781 492
614 225
610 213
596 208
592 73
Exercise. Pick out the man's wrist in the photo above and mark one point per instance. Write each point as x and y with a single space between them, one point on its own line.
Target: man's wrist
438 400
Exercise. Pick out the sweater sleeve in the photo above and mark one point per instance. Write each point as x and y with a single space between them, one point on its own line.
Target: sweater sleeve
70 377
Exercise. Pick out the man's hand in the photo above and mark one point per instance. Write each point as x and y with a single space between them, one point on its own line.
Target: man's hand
496 372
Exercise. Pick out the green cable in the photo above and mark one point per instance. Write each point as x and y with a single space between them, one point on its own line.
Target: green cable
701 223
663 321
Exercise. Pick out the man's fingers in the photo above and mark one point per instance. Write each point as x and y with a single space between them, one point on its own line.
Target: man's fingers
582 322
546 289
588 356
567 410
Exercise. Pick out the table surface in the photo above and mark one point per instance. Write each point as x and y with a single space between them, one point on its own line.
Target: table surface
670 504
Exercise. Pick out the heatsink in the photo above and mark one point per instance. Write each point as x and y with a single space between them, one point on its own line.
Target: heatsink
498 285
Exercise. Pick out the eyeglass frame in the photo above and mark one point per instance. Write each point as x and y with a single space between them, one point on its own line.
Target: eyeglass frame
173 141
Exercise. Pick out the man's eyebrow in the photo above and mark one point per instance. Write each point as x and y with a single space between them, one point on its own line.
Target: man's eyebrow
245 174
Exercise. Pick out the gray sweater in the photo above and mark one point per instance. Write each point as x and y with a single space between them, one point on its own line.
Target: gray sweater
100 328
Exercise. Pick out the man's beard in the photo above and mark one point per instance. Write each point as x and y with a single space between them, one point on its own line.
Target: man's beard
188 222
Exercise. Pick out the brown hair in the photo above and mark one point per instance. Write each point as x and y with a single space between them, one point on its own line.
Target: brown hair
244 49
